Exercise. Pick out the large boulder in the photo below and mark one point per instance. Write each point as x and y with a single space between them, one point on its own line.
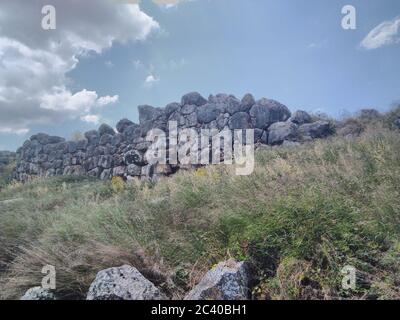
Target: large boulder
106 129
106 139
300 117
123 124
222 120
71 147
318 129
43 138
81 144
260 136
191 119
149 113
171 108
123 283
134 170
38 293
74 170
218 98
116 139
188 109
148 125
95 173
105 161
240 120
119 171
131 133
247 102
229 280
55 139
193 98
105 174
281 131
92 137
134 157
266 111
207 113
227 103
233 105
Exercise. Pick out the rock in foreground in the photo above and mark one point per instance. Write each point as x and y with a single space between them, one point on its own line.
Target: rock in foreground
38 293
123 283
229 280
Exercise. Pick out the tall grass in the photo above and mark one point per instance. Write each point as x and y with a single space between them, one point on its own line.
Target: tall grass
5 173
303 214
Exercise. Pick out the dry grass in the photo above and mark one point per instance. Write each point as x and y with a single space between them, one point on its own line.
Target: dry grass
301 216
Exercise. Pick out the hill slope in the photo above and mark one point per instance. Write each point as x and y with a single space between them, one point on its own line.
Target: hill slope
304 214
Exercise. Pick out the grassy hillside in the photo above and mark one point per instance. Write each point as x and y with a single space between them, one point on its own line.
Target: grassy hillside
304 214
5 171
7 164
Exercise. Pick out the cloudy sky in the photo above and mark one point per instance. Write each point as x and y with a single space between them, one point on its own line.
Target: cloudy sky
106 57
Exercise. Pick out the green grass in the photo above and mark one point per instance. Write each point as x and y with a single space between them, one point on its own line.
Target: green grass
303 215
5 172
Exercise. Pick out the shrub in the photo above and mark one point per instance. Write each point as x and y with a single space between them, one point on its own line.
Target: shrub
117 184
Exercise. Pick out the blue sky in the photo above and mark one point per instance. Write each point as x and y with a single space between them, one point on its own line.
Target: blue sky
294 51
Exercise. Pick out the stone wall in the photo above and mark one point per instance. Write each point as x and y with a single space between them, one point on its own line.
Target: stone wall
105 153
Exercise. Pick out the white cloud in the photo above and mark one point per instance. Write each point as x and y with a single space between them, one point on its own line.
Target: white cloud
150 81
63 99
9 130
82 101
103 101
168 4
384 34
91 118
34 65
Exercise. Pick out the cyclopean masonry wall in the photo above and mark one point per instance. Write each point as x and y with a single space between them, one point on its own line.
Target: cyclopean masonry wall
105 153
